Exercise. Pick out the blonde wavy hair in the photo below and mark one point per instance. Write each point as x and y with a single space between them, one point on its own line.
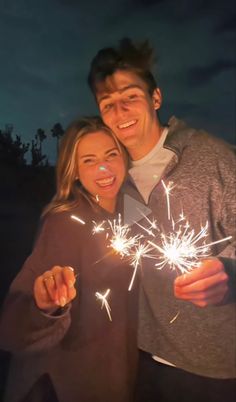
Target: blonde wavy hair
68 186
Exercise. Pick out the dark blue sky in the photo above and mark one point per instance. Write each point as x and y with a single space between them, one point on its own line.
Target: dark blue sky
46 47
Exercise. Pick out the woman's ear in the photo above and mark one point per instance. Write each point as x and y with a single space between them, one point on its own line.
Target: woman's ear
157 98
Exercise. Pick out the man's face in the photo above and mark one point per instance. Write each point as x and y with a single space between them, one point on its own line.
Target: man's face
130 111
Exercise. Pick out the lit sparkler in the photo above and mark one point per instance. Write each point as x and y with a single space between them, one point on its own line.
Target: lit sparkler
121 241
181 248
103 299
124 244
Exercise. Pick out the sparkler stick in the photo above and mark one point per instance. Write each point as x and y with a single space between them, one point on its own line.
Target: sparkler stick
103 298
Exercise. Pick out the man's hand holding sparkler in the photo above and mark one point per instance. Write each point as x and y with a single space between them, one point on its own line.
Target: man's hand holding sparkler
203 286
55 288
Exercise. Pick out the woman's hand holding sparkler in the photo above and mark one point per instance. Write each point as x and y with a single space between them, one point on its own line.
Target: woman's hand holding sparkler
203 286
55 288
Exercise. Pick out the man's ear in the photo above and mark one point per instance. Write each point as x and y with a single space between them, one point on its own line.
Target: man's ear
157 98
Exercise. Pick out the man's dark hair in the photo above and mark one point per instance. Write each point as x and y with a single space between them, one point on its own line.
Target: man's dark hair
137 58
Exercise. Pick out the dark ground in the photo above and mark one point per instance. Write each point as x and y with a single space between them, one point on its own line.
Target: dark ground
24 191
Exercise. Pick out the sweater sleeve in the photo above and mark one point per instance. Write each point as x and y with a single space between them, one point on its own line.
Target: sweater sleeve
23 327
227 218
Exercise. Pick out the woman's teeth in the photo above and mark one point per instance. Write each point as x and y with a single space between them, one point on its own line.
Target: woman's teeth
105 182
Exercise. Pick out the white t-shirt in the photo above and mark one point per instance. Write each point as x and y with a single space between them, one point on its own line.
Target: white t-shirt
146 172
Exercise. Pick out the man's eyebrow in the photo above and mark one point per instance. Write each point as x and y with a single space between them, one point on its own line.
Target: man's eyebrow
108 95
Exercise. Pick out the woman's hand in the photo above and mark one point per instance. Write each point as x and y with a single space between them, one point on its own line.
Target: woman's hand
55 288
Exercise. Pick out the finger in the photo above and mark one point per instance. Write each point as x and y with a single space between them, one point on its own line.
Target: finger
71 294
50 286
208 268
60 285
40 292
211 301
217 291
68 277
203 284
41 295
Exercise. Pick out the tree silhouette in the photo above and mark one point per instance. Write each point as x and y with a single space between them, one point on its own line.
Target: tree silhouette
57 132
40 137
12 151
37 158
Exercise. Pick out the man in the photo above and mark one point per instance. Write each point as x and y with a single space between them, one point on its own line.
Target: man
187 326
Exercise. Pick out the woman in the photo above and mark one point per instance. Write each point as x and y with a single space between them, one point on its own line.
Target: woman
65 346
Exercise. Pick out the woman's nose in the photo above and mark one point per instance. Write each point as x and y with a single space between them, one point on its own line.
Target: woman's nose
103 167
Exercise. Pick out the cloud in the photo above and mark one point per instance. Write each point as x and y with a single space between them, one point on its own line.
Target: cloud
198 76
228 25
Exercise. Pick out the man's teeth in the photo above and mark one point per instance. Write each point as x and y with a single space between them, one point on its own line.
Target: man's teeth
127 124
105 182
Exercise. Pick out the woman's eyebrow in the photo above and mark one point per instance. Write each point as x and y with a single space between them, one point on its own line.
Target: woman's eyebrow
93 155
111 149
87 155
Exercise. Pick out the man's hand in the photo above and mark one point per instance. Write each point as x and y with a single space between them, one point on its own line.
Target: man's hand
55 288
205 285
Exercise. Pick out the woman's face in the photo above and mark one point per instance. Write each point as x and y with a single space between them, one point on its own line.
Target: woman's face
101 167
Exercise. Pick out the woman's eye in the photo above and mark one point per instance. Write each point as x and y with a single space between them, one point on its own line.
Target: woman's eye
88 161
113 155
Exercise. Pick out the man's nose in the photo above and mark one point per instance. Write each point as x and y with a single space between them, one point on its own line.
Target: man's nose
121 108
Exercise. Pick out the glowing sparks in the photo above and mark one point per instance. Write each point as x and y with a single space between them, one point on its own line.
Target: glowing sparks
140 251
182 248
76 218
103 299
123 243
153 225
120 240
179 248
98 227
168 189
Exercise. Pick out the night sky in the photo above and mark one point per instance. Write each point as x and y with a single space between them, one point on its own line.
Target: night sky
46 47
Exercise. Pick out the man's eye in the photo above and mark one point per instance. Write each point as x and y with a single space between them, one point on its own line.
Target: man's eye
132 96
107 107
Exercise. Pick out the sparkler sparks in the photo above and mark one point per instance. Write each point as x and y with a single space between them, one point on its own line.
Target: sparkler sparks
180 248
76 218
168 189
98 227
121 241
103 299
140 251
124 244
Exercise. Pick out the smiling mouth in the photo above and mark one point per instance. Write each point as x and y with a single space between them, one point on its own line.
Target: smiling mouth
105 182
127 124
